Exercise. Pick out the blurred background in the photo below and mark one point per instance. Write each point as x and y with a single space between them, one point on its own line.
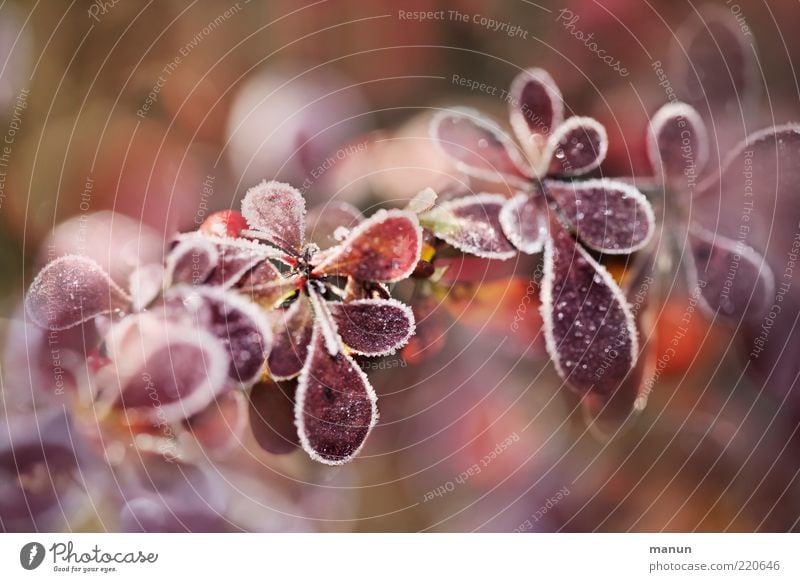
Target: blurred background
127 121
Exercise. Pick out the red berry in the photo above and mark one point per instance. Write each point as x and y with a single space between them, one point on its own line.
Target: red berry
224 223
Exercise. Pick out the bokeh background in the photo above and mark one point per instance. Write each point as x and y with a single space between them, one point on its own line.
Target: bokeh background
165 111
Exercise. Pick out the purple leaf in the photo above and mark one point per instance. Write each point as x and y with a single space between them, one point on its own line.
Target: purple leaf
327 221
677 145
715 64
577 146
472 225
536 107
71 290
276 210
335 406
272 417
292 336
524 221
383 248
191 261
239 324
590 332
732 279
609 216
478 147
373 327
164 370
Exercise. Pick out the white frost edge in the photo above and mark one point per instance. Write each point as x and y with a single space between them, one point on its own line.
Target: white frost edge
412 325
482 198
546 307
248 205
658 121
508 218
299 403
215 368
37 282
561 131
478 119
517 118
236 301
184 246
628 191
324 319
380 216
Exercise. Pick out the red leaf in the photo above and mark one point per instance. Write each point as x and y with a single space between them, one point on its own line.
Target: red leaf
383 248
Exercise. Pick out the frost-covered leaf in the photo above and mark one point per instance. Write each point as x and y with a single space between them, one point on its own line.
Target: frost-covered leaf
590 332
71 290
239 324
524 222
423 201
732 278
472 225
327 221
536 107
373 327
292 335
164 370
478 147
145 284
383 248
577 146
607 215
277 210
335 406
191 261
272 417
677 145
